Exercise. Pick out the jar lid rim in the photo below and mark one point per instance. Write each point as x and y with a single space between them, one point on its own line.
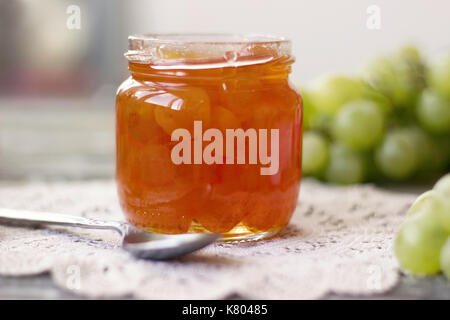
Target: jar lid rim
207 38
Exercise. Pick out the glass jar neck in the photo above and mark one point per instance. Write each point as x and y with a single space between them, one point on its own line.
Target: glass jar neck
213 71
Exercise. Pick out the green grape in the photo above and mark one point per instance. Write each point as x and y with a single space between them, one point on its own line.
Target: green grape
312 119
381 100
411 55
345 166
329 93
418 244
410 68
359 124
438 75
323 123
400 77
433 112
431 201
433 158
315 153
309 110
422 202
445 259
380 74
398 156
442 187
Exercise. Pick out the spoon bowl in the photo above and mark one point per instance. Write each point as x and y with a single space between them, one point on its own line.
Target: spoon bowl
148 245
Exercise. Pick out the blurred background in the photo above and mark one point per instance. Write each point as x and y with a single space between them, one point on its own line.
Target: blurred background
57 83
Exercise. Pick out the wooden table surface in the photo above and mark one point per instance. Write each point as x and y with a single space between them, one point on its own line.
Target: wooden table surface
42 287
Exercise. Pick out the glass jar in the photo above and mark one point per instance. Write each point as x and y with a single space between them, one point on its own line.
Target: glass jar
209 135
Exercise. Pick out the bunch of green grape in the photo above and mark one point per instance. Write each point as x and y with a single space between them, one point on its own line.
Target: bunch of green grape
422 245
392 123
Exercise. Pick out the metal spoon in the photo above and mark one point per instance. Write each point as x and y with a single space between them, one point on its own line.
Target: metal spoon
140 243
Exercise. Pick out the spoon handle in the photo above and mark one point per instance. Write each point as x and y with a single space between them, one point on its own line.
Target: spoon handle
25 217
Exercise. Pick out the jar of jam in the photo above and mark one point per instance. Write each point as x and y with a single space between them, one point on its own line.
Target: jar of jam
209 135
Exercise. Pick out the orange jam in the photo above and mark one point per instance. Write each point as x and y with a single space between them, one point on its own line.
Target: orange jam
186 85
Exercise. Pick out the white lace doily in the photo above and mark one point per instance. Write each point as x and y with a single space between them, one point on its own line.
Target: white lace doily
339 240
